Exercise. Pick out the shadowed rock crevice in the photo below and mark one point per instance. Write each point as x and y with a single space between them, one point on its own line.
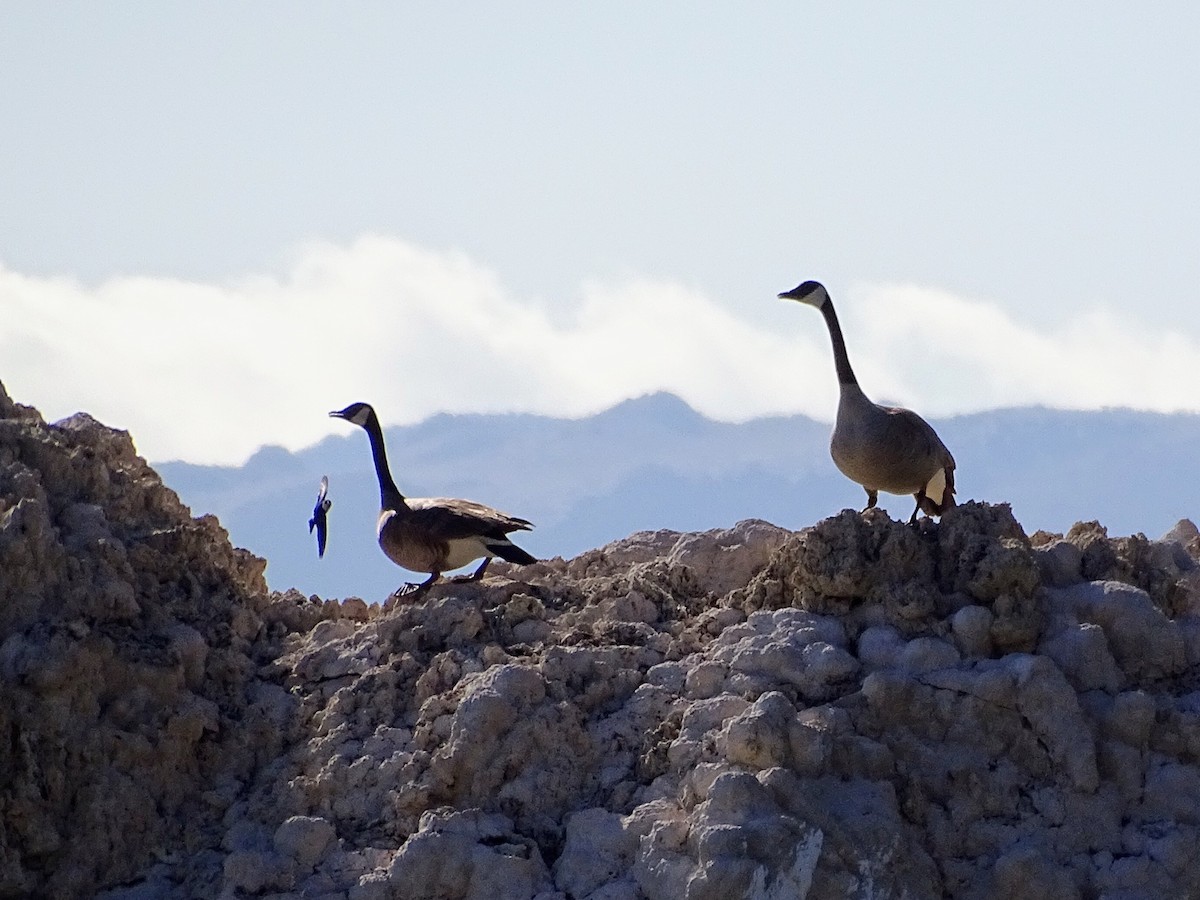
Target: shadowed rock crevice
858 709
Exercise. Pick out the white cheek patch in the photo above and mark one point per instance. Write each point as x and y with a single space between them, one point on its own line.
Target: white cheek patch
936 489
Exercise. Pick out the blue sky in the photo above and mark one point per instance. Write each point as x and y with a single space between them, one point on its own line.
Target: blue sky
259 212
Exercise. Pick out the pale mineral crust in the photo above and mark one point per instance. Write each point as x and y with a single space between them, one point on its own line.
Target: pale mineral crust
859 709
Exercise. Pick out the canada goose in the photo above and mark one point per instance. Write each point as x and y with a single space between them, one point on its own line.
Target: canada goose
320 514
433 534
883 448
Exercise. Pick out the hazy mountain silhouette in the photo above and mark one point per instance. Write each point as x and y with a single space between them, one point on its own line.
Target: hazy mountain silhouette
655 463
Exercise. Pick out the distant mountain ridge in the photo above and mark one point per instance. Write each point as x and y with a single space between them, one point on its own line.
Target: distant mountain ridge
653 462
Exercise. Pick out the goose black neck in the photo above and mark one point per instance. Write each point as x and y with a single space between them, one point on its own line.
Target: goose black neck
844 373
389 494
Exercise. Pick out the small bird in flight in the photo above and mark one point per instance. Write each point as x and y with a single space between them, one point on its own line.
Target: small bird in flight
320 511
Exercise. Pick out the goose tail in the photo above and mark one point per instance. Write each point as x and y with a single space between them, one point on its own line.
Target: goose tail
938 495
510 552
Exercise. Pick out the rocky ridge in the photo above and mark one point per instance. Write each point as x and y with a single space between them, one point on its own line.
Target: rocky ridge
858 709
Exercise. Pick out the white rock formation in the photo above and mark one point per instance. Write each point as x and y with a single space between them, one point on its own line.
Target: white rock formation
860 709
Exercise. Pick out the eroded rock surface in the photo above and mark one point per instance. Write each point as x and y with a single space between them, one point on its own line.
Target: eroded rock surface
859 709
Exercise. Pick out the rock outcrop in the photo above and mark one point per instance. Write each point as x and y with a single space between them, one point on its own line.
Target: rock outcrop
859 709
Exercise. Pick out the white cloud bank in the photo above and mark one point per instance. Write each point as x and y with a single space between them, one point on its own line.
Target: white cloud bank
210 372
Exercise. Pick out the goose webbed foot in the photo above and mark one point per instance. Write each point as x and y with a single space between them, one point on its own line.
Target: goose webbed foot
474 576
872 499
412 590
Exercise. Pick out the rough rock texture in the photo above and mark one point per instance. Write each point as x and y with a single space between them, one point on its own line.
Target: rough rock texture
860 709
130 710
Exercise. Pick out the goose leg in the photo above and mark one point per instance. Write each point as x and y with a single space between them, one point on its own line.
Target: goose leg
913 520
872 498
474 576
414 590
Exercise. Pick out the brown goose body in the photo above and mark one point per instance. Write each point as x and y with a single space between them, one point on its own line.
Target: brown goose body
437 534
882 448
433 534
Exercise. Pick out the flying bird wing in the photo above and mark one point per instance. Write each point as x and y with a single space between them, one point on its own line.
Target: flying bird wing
319 518
321 532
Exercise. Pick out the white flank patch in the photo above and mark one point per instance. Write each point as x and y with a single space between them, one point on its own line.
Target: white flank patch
465 550
936 489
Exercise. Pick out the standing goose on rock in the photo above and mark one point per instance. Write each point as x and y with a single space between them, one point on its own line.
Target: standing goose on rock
883 448
433 534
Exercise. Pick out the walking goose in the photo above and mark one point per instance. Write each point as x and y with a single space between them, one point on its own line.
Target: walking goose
883 448
433 534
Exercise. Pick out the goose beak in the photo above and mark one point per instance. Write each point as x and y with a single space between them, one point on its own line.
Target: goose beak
338 414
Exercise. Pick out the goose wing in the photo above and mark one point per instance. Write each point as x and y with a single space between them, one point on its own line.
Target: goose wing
912 434
449 519
924 457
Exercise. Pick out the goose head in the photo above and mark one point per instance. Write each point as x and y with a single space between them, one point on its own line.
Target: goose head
811 292
358 413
